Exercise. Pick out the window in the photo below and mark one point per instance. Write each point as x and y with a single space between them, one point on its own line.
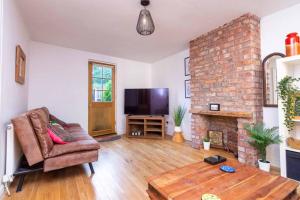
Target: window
102 83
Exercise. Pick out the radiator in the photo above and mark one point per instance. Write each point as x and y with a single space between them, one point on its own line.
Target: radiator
12 156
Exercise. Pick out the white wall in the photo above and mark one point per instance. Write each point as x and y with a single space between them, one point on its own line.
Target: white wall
169 73
13 96
274 29
59 80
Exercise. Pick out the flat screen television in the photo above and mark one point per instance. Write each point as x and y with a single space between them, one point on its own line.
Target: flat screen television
154 101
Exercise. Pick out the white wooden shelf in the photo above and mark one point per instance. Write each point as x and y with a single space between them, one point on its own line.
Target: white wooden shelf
292 149
288 66
291 61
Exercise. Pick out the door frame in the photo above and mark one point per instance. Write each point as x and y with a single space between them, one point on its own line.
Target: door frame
90 102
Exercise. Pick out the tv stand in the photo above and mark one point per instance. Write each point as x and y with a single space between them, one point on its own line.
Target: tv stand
145 126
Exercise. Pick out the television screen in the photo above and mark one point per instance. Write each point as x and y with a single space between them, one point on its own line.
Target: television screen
147 101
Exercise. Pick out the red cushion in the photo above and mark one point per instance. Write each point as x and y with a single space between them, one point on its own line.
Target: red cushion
55 138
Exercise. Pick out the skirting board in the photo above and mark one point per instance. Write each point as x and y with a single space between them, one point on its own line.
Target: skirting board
1 191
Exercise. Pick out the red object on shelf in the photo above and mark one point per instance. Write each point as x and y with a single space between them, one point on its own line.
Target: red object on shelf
292 44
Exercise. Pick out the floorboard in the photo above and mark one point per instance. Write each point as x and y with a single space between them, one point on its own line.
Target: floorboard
120 172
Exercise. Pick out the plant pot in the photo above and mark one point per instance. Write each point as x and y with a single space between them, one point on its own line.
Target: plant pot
206 145
264 166
178 137
177 129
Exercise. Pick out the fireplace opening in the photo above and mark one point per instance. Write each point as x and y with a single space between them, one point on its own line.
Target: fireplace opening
223 133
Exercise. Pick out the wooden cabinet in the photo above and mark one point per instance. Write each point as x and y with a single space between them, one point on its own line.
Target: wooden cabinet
138 126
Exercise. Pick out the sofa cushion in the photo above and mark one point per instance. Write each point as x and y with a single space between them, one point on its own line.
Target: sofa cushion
56 120
81 145
62 133
55 138
40 128
27 139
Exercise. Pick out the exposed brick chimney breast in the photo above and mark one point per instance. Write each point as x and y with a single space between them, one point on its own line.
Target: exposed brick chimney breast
226 69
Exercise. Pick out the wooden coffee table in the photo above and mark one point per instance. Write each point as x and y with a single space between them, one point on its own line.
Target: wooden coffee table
192 181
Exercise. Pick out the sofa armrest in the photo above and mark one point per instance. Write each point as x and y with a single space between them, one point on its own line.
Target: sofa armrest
78 146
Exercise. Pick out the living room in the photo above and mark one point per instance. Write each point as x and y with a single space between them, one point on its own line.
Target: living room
212 63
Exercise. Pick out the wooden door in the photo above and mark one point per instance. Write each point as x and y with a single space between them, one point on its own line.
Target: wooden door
101 98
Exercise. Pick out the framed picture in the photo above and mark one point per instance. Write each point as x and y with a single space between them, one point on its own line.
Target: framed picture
20 65
216 139
214 107
187 66
187 87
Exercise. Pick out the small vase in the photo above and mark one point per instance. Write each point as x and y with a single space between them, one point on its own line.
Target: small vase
264 166
178 137
206 145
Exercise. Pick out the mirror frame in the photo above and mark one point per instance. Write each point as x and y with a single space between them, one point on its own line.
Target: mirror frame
264 77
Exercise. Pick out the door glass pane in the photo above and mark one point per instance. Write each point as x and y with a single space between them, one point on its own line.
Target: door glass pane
106 96
97 95
107 72
106 84
97 71
102 83
97 84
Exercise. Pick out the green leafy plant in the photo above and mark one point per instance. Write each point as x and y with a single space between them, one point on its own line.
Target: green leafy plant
178 114
287 92
261 137
206 139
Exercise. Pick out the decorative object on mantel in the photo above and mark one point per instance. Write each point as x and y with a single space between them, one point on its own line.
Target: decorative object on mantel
287 91
178 116
216 139
187 66
206 143
260 138
214 107
270 79
187 88
20 68
292 44
145 25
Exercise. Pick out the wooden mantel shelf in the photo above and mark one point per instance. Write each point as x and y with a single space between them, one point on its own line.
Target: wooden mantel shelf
221 113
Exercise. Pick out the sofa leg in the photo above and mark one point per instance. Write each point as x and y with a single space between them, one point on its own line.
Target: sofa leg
20 184
92 168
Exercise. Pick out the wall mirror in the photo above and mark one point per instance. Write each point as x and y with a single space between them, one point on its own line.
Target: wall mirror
270 79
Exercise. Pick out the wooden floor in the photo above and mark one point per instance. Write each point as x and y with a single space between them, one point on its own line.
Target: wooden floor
120 172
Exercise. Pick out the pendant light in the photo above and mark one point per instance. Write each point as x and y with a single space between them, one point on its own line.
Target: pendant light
145 24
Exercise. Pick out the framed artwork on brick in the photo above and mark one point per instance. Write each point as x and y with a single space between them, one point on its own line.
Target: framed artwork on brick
20 65
216 139
187 88
187 66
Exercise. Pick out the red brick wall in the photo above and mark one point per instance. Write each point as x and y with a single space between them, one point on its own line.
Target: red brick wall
225 68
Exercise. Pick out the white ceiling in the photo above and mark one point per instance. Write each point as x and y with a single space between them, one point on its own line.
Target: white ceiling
108 26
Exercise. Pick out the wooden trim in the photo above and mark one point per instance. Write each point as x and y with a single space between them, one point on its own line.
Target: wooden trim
222 113
264 80
90 101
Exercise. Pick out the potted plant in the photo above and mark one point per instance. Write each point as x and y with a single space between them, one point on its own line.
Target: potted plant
178 116
260 138
206 143
287 91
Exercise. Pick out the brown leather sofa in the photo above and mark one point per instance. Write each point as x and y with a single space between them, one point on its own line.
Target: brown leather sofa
48 155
